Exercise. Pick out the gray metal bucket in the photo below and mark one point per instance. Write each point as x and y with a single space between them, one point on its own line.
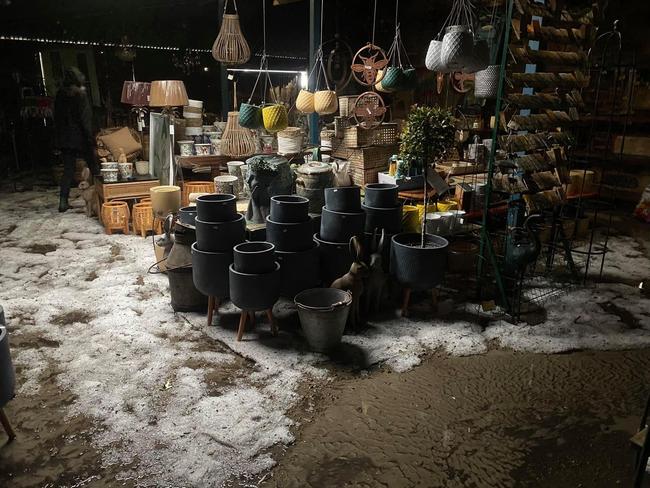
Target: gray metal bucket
323 313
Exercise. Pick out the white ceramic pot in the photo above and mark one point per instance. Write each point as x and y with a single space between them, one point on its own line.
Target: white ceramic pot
109 175
203 149
142 168
125 170
226 184
110 165
186 148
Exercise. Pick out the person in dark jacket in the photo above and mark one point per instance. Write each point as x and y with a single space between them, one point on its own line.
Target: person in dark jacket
74 133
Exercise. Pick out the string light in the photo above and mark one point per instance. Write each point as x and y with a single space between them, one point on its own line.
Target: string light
96 43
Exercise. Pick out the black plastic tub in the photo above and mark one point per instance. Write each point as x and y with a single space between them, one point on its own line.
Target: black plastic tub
381 195
416 267
254 257
289 208
291 237
220 236
216 207
210 272
299 270
186 215
389 219
341 226
253 292
335 259
343 199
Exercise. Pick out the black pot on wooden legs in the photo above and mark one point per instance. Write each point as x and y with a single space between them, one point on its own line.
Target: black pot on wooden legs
210 275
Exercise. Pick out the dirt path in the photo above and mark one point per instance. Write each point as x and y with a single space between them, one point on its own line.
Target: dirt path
497 420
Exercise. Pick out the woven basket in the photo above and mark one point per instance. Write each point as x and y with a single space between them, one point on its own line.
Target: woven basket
326 138
230 46
326 102
432 61
379 85
237 141
486 82
457 48
142 217
275 117
115 216
290 140
393 78
194 187
250 116
305 102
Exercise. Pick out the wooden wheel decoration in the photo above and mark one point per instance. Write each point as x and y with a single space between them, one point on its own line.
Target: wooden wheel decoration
458 80
369 110
366 64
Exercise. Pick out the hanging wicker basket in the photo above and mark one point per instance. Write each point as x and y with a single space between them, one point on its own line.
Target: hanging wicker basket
275 117
432 61
457 47
231 47
326 102
250 116
237 141
393 78
305 102
486 82
379 86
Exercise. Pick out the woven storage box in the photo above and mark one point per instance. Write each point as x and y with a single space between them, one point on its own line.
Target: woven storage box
365 176
384 135
346 105
365 158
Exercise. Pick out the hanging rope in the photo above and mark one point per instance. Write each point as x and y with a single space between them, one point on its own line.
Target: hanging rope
374 23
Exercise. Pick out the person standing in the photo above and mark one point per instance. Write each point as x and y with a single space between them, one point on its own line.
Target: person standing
74 130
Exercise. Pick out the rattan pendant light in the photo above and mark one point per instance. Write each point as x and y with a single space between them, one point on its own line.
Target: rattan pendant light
231 47
237 141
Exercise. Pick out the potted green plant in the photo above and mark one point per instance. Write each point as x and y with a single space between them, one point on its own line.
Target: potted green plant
420 259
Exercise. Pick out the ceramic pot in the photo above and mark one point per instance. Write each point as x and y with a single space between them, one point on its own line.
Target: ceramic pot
165 199
216 207
109 175
186 148
220 236
393 78
142 168
125 170
341 226
253 292
275 117
457 47
250 116
415 267
203 149
389 219
289 209
305 102
298 270
379 86
343 198
234 169
210 272
433 61
335 259
323 313
289 237
226 184
187 215
110 165
255 257
312 179
381 195
326 102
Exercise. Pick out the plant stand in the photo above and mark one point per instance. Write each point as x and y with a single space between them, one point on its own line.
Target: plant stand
406 299
213 306
248 314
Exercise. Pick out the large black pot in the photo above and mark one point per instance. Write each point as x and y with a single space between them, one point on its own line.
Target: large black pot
299 270
289 209
253 292
186 215
335 259
381 195
416 267
220 236
291 237
343 199
210 272
216 207
254 257
341 226
389 219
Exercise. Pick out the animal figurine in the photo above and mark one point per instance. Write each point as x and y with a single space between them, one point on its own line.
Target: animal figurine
522 249
352 281
376 282
88 193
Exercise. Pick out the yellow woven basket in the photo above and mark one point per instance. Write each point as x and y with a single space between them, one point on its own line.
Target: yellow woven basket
305 102
326 102
275 117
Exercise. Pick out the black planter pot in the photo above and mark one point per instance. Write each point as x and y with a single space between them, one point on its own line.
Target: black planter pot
254 257
335 259
381 195
216 207
341 226
186 215
343 199
289 237
220 236
253 292
389 219
416 267
298 270
210 272
289 209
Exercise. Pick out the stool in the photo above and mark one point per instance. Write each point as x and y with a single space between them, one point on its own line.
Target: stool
245 315
143 220
195 187
406 299
115 216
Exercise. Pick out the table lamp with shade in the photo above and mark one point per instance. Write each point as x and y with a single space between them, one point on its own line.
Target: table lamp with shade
168 94
136 94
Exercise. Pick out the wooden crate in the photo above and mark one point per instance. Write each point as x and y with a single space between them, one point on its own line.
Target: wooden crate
384 135
364 176
366 157
346 105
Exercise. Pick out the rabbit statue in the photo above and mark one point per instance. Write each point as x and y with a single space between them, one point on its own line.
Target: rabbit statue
88 193
352 281
376 281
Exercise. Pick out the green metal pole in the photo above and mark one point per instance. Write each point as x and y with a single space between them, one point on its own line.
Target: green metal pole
485 236
314 42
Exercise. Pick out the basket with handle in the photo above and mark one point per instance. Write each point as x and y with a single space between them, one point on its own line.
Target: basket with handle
230 46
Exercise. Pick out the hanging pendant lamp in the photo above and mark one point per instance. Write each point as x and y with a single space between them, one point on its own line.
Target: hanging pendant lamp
237 141
231 47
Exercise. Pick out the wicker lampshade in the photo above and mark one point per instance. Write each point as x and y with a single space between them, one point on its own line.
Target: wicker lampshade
237 141
230 46
136 93
168 93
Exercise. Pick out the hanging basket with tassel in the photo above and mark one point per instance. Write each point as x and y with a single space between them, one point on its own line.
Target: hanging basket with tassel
237 141
230 47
